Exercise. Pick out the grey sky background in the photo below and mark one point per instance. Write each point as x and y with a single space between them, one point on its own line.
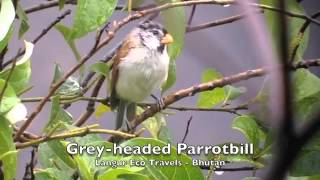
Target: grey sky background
230 49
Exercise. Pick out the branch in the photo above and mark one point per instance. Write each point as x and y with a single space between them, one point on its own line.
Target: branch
46 5
117 26
201 26
2 55
306 63
43 33
229 110
8 78
300 36
90 107
192 14
74 133
187 130
174 97
93 50
217 22
55 3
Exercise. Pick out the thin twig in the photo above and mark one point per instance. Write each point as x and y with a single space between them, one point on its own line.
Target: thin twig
217 22
187 130
43 33
174 97
229 110
29 174
55 3
110 36
193 10
46 5
185 3
90 107
74 133
300 36
28 135
2 55
197 27
8 78
306 63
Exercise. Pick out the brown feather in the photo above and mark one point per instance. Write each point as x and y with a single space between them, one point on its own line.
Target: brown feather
123 51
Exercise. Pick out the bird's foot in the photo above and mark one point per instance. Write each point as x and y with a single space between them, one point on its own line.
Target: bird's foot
159 101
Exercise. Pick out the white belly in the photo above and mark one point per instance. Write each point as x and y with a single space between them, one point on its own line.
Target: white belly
139 76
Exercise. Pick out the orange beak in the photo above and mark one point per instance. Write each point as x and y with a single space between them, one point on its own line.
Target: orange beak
167 39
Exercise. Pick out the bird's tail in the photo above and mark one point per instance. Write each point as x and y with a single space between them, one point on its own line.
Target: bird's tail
126 113
122 106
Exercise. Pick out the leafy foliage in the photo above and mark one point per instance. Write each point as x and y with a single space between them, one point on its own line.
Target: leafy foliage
90 16
8 153
7 14
174 21
21 72
295 24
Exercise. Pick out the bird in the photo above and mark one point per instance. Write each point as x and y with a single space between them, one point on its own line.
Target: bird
139 66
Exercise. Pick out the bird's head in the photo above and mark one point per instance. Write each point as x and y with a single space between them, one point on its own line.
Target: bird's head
154 36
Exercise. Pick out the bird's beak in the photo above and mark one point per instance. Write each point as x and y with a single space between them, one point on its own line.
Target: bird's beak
167 39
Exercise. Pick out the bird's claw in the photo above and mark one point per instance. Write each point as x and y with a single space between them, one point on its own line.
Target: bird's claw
160 103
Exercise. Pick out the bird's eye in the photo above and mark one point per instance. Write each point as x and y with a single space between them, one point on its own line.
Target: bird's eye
155 32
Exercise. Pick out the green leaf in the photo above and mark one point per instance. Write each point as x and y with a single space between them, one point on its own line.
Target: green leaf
121 173
304 178
174 20
133 176
61 4
71 87
91 14
84 168
58 73
250 129
7 15
185 171
21 74
49 159
8 154
67 33
59 150
307 164
252 178
24 26
236 158
165 134
86 163
9 99
234 92
101 68
153 124
157 126
295 24
100 110
211 98
51 173
306 93
4 41
171 76
59 118
17 113
137 3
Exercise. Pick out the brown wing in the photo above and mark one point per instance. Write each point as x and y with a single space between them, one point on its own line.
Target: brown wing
120 54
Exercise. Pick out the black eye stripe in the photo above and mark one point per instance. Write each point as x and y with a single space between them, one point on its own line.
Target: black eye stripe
152 25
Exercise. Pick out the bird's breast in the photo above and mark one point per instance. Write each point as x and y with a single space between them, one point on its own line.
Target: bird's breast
140 73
